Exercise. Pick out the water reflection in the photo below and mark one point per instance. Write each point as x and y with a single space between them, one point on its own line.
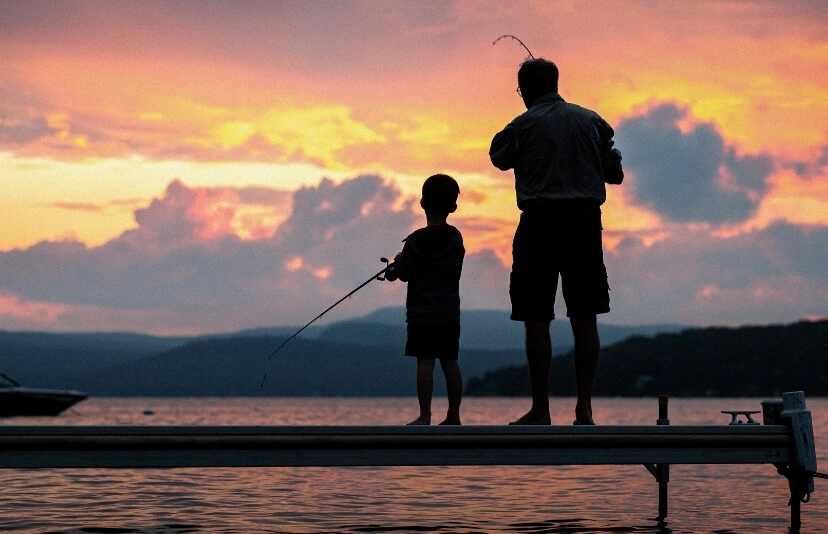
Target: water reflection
549 526
163 529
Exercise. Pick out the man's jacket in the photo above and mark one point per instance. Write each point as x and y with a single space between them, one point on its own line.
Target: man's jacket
559 151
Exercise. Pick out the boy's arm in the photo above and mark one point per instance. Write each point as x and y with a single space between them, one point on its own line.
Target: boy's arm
404 263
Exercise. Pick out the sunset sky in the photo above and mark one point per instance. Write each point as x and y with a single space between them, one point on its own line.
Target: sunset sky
182 167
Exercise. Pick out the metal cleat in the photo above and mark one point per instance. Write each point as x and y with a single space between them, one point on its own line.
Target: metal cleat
734 417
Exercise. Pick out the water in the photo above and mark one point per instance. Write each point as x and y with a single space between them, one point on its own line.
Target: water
720 499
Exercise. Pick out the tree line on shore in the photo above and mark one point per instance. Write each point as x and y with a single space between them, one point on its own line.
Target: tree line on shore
748 361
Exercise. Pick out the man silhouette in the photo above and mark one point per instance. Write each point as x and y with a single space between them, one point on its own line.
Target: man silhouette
562 156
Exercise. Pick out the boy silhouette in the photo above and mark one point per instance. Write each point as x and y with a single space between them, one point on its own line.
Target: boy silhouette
431 261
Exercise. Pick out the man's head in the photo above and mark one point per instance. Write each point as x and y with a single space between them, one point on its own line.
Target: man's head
440 193
537 77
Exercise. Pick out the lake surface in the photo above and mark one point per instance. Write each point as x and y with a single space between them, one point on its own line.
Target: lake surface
719 499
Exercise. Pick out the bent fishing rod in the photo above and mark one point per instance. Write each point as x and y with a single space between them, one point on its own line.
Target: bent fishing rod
516 39
378 276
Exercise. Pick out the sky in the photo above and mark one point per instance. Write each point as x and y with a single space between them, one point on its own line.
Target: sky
189 167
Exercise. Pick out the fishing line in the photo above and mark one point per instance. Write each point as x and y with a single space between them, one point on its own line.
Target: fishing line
377 276
516 39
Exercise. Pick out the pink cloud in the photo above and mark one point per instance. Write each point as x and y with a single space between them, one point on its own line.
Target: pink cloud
18 314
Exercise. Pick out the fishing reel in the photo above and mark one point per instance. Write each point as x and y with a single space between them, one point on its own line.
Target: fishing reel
382 276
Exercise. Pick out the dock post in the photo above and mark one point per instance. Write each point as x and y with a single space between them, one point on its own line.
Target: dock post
662 470
798 419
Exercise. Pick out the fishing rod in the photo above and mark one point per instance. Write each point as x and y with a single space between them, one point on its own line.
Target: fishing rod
516 39
378 276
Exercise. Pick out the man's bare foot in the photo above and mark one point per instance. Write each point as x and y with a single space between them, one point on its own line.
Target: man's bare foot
420 421
583 417
451 421
531 418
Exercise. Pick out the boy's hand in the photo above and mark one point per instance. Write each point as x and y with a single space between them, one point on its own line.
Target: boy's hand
391 273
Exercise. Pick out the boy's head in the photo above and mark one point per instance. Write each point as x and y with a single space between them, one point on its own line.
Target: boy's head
440 193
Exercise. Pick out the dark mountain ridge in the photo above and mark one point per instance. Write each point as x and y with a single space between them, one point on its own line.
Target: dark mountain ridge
740 362
363 357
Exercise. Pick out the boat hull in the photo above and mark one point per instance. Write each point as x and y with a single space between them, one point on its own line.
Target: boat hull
22 401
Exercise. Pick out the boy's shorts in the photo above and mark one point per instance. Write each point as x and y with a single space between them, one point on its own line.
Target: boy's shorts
558 238
433 340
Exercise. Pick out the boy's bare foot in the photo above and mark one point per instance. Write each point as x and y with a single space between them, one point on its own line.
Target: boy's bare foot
451 421
531 418
420 421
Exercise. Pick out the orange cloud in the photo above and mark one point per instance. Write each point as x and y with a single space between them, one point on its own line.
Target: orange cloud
796 199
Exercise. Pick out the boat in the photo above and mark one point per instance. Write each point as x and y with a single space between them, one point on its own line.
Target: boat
17 400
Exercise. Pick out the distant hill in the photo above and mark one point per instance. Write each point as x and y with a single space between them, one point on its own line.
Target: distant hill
355 357
481 329
236 366
41 359
746 361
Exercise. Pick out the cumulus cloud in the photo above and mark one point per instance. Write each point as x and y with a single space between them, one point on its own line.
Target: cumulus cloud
186 264
687 173
775 274
484 283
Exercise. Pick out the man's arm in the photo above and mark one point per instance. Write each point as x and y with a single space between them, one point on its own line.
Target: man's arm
610 157
611 162
503 151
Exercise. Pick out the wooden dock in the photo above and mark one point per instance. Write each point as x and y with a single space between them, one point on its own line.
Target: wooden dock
30 447
786 443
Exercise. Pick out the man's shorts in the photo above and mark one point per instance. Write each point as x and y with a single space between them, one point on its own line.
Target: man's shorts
433 340
558 238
